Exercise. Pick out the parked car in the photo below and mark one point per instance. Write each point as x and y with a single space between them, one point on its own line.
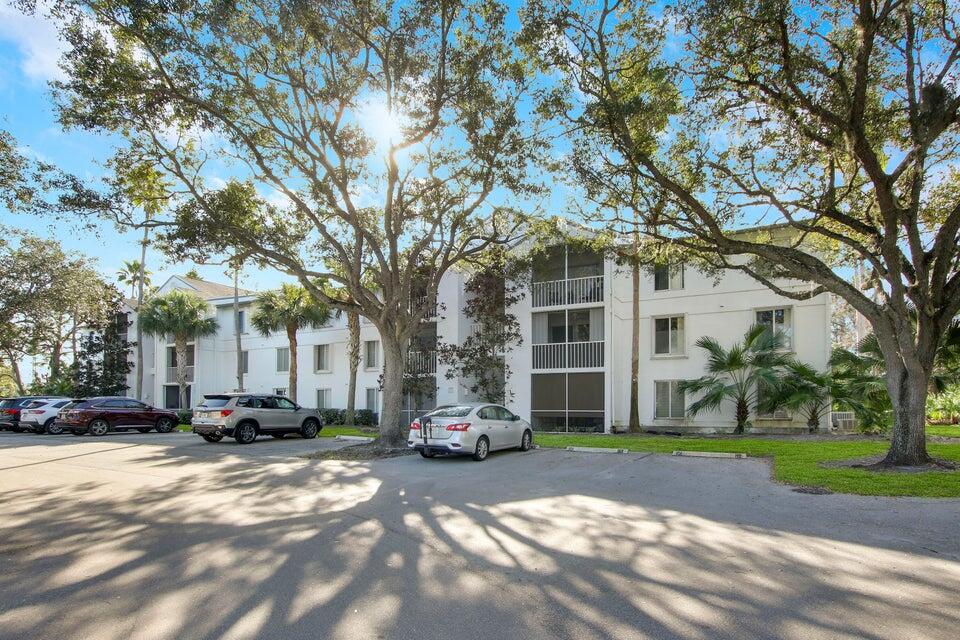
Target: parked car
473 429
97 416
244 416
11 408
40 416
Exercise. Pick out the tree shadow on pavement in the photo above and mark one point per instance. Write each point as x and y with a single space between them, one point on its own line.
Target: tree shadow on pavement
544 544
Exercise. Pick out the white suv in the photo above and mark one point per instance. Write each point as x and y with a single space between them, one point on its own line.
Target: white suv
40 415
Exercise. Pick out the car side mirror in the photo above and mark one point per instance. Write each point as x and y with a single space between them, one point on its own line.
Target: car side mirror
515 418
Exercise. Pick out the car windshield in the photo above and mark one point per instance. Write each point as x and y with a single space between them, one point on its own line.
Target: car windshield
214 402
455 411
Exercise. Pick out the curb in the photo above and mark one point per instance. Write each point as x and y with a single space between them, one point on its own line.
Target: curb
596 450
354 438
710 454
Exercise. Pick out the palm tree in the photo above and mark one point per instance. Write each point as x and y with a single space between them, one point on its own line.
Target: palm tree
132 274
739 373
181 315
812 393
290 309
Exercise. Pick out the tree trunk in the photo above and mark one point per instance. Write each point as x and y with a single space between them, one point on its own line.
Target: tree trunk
908 395
15 374
292 341
142 276
353 355
56 352
635 353
236 328
180 345
391 426
743 413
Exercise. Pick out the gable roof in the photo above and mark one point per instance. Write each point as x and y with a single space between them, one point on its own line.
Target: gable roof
206 289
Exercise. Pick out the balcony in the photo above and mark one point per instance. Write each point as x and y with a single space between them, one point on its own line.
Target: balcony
585 290
419 302
172 374
421 363
568 355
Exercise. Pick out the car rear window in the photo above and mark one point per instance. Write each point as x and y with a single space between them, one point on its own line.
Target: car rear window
455 411
35 404
213 402
6 403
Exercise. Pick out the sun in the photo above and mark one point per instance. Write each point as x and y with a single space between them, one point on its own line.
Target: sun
384 126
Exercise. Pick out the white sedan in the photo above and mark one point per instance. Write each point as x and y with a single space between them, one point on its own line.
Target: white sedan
473 429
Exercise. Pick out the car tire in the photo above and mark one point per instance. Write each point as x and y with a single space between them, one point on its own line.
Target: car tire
309 430
165 425
144 429
51 427
482 450
526 440
211 437
245 433
428 454
98 427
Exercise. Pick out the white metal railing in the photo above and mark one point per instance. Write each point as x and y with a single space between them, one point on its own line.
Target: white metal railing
568 355
420 302
585 290
172 374
422 362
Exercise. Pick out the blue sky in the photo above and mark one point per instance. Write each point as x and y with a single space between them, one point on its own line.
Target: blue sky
29 50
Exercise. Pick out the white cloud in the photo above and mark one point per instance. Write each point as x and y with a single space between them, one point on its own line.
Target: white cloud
37 40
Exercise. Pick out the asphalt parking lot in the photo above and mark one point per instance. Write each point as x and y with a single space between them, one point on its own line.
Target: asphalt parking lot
150 536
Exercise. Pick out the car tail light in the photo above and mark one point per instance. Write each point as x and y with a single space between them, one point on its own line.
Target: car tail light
414 426
460 426
225 412
10 412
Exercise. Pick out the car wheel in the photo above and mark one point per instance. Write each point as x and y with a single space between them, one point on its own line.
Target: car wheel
309 429
51 427
165 425
211 437
482 450
427 454
98 428
278 436
144 429
526 442
245 433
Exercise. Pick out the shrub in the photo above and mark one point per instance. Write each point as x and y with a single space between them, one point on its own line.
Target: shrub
364 418
184 415
331 416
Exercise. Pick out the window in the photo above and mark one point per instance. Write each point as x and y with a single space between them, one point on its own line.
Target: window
668 277
268 402
488 413
216 402
669 400
779 320
373 398
112 404
249 401
779 413
567 401
280 391
323 399
245 361
283 403
172 356
370 360
283 359
455 411
242 321
668 336
134 404
321 357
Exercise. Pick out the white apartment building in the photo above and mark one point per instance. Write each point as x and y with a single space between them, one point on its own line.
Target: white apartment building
572 370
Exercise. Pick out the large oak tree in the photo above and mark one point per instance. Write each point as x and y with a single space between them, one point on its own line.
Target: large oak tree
835 121
287 93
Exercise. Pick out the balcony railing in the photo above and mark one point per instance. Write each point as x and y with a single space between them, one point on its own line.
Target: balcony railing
422 362
419 302
586 290
568 355
172 374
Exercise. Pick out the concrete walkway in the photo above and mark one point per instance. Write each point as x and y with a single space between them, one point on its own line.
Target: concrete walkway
159 537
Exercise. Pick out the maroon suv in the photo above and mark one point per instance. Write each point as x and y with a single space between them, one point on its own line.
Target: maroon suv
97 416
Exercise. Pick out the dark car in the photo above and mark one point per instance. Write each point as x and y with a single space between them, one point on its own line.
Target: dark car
97 416
10 409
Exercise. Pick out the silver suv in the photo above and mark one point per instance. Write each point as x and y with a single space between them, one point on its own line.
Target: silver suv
247 415
469 428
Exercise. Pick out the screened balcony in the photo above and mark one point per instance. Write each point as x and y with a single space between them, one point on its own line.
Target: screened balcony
565 276
569 339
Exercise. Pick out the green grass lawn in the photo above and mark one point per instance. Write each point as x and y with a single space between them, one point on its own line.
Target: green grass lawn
796 462
945 430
